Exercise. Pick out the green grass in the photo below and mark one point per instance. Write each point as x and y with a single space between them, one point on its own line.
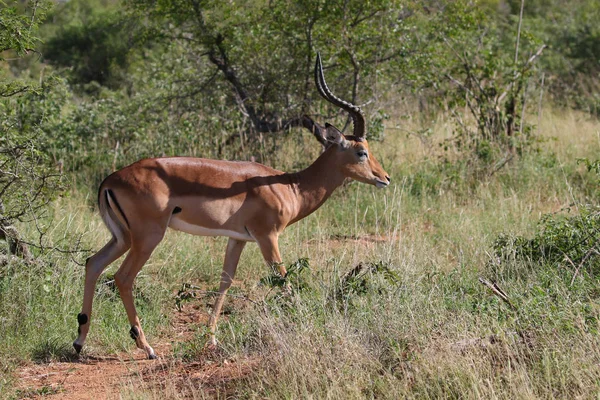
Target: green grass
433 331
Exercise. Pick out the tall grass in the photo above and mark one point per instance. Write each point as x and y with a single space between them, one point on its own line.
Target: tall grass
428 330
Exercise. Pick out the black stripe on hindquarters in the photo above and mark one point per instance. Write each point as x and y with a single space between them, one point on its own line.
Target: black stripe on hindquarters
112 195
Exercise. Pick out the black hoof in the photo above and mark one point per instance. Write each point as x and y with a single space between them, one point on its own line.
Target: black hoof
152 357
77 347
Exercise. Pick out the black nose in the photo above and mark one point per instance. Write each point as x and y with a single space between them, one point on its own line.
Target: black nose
388 178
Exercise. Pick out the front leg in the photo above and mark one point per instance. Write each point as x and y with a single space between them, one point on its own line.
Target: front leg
269 247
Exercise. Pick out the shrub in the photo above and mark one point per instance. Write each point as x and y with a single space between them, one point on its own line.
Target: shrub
560 240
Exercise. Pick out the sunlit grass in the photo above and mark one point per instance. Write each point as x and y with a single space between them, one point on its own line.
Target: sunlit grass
433 331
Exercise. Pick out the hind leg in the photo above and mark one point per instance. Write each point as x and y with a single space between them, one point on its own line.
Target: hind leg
93 268
232 258
124 278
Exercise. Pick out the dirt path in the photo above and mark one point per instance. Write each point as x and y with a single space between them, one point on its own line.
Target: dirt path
109 377
89 378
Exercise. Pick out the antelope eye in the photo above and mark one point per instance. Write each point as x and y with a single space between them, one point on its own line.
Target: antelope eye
362 154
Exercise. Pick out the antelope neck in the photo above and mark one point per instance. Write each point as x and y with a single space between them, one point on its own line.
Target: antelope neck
316 183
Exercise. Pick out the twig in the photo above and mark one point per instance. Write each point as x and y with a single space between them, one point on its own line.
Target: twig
35 6
458 83
521 123
502 164
497 291
535 55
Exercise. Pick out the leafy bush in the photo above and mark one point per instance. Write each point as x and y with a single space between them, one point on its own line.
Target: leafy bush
482 68
571 241
560 240
28 180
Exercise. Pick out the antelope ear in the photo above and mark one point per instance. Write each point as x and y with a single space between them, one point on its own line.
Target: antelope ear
333 135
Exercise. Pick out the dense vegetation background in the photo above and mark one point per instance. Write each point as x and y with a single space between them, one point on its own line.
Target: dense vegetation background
484 112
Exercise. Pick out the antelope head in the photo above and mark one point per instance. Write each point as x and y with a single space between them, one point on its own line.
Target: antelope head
352 152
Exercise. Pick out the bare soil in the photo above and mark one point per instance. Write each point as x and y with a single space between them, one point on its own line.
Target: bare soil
96 377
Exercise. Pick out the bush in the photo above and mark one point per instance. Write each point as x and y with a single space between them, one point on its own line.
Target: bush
571 241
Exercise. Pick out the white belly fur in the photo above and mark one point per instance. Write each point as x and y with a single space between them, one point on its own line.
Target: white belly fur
183 226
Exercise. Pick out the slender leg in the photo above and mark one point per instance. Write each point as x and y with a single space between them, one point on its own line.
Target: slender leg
124 278
269 247
93 268
232 257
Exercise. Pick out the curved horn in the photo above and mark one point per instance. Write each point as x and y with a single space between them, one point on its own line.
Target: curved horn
354 111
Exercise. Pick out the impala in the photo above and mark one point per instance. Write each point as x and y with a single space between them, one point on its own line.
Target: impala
245 201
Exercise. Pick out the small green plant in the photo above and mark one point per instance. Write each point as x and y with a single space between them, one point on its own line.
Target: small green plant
186 293
359 279
592 166
295 277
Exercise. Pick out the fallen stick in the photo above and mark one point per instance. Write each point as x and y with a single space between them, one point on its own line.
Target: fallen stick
497 291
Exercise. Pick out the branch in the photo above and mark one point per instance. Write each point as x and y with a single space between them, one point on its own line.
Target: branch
15 91
587 255
502 164
534 56
459 84
357 21
497 291
519 32
523 70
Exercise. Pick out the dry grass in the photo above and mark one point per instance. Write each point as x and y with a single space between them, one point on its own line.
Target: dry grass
429 331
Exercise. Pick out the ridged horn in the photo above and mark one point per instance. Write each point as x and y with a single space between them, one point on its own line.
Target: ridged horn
357 116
